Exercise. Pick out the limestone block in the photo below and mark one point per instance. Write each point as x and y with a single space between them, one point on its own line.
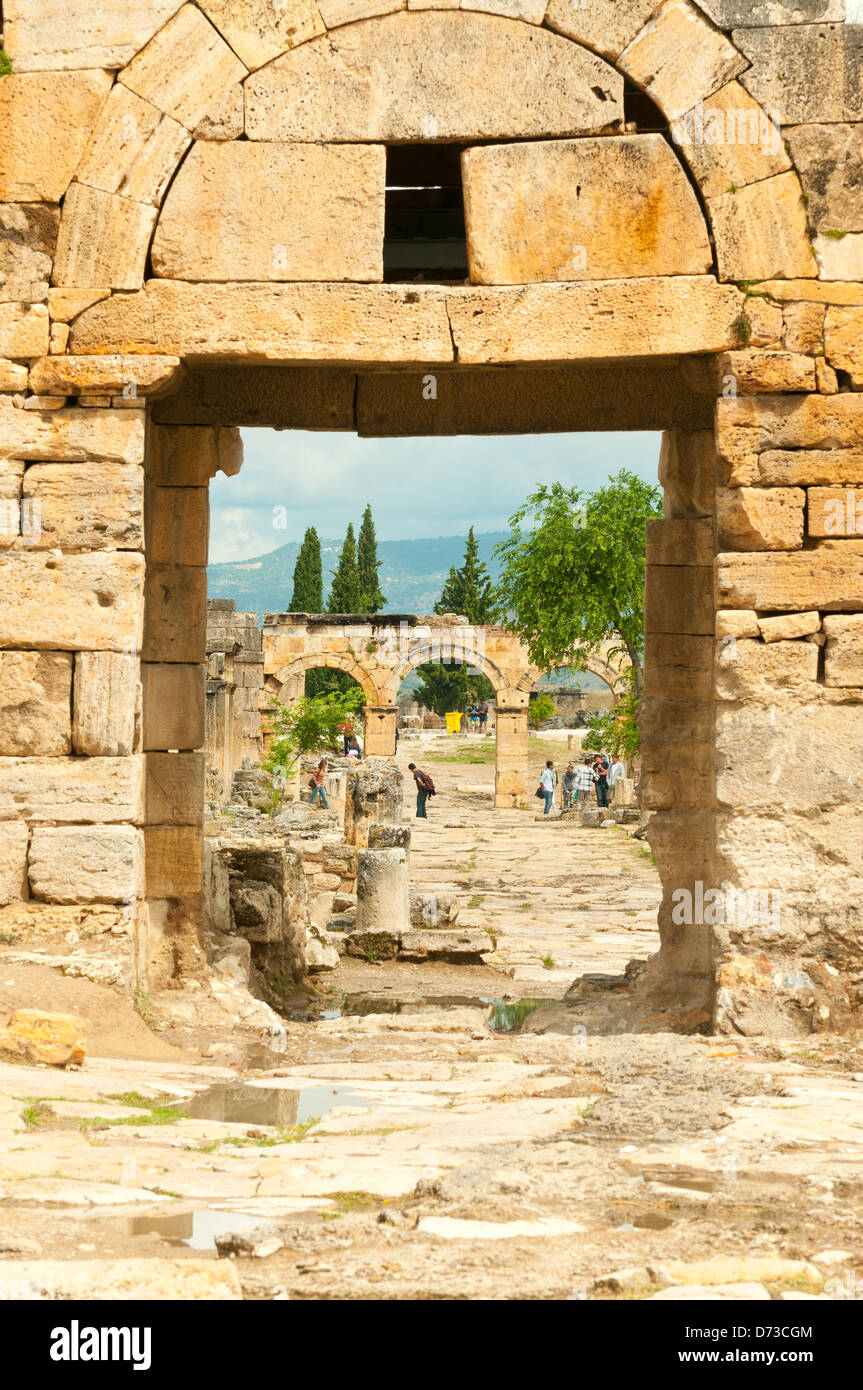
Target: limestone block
185 68
606 319
828 381
190 457
225 119
13 375
72 436
11 480
106 704
788 626
87 34
531 11
174 857
45 120
35 695
176 618
134 149
374 943
803 328
23 330
679 599
26 918
432 910
679 58
737 622
829 577
606 26
813 291
835 511
59 337
682 541
113 373
810 466
839 255
175 788
456 946
173 704
42 403
687 472
411 76
843 652
294 212
98 506
13 861
751 14
782 422
94 790
754 371
180 526
283 322
766 761
760 231
85 863
103 239
337 12
829 160
66 304
843 342
607 209
46 1039
28 235
804 72
259 31
90 602
751 518
728 140
678 667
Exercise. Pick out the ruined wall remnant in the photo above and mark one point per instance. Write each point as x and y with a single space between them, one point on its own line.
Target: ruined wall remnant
235 683
375 792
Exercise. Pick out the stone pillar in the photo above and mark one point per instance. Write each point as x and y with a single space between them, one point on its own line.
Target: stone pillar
383 902
510 747
180 462
383 836
375 792
379 730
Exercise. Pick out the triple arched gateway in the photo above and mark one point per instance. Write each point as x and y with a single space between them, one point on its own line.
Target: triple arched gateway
662 229
381 650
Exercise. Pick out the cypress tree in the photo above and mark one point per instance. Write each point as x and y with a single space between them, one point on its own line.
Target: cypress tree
368 564
308 596
345 595
469 590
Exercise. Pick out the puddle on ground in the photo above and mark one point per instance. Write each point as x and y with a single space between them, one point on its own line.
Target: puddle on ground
195 1229
269 1105
652 1221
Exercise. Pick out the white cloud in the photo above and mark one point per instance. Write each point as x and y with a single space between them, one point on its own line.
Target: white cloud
417 487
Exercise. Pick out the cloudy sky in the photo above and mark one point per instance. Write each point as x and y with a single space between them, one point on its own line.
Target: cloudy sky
417 487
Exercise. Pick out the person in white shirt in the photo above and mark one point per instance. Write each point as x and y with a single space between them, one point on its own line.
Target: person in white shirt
615 772
548 782
584 780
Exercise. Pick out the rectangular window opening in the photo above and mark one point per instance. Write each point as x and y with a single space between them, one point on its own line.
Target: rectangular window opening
424 231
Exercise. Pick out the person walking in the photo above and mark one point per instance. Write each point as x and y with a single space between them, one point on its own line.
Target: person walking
584 780
601 769
425 788
317 784
548 782
570 787
483 717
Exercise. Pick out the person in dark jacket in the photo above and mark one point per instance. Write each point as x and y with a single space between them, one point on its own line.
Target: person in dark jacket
422 789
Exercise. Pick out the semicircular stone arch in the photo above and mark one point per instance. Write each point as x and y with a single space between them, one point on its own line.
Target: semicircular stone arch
309 100
292 673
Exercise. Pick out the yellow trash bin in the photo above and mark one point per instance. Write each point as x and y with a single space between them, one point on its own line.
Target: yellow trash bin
453 722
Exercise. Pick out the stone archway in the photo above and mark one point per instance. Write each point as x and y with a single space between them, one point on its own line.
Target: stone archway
758 385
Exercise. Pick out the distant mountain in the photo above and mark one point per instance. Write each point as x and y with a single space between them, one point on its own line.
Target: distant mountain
412 573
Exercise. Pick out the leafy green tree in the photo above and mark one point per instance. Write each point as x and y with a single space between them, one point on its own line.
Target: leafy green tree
345 595
616 729
540 709
575 576
368 564
308 725
308 595
446 689
469 590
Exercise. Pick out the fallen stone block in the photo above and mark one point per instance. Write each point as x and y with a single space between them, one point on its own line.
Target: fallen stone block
433 910
255 1244
374 944
456 947
57 1040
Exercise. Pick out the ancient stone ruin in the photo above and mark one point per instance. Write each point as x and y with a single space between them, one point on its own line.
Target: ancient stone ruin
666 233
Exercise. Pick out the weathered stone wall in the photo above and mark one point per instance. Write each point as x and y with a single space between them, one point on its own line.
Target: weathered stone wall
740 240
234 695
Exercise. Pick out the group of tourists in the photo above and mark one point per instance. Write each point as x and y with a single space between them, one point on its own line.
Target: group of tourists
597 773
477 716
